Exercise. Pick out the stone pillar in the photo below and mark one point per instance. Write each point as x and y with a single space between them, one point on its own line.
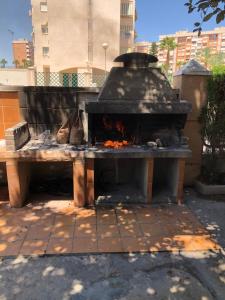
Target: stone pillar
18 175
150 168
90 181
191 80
180 181
79 182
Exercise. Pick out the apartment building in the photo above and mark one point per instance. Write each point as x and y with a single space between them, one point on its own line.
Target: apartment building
77 36
142 47
23 51
189 44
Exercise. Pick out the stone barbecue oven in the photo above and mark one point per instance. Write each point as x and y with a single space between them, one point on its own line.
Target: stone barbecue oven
129 146
134 131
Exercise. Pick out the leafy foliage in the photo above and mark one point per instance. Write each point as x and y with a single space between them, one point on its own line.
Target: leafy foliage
3 62
213 126
16 63
168 44
154 49
218 70
210 59
26 63
207 9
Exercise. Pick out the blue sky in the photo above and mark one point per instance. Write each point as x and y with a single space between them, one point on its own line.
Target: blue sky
155 17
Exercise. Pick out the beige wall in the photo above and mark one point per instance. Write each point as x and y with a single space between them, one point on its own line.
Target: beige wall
194 89
67 38
17 76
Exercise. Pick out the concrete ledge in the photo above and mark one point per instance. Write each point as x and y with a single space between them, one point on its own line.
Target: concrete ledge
205 189
11 88
16 137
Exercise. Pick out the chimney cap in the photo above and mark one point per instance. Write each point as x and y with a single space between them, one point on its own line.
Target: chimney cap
136 59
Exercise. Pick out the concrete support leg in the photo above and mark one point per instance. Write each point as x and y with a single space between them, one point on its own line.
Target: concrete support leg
150 167
18 175
90 188
180 184
79 182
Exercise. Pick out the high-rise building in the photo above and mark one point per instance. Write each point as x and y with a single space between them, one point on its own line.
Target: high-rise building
23 52
77 36
189 45
142 47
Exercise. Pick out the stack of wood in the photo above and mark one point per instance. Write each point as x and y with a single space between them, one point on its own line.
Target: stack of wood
71 131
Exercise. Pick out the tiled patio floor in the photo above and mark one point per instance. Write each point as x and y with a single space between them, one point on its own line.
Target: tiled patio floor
56 227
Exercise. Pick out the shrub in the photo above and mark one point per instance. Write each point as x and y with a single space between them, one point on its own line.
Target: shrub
212 119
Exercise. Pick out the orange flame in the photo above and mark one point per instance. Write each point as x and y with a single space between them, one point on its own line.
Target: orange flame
116 144
107 123
120 127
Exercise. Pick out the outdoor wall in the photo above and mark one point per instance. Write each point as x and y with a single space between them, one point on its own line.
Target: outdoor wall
47 108
15 77
9 110
70 42
193 87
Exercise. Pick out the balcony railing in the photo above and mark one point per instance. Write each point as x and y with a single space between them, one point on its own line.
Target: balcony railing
69 79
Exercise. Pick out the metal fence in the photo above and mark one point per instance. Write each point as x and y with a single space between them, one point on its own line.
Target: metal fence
69 79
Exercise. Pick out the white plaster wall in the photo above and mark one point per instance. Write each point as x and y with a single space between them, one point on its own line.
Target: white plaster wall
68 33
24 77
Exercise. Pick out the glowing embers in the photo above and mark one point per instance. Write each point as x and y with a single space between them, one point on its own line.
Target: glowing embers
116 144
115 126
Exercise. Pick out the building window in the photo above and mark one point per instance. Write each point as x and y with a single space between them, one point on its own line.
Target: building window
44 29
181 40
213 37
43 6
45 51
127 9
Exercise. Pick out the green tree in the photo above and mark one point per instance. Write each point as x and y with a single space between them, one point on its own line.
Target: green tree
16 63
3 62
209 59
218 70
168 44
180 64
26 63
212 128
207 9
154 49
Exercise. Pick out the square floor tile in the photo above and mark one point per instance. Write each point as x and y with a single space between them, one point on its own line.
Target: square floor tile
57 246
132 244
110 245
63 232
31 247
88 219
12 233
151 230
39 232
148 218
130 230
85 245
159 243
127 219
85 231
125 212
10 248
107 230
64 220
106 218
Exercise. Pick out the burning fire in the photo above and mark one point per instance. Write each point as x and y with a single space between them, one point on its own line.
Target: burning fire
116 144
116 126
120 127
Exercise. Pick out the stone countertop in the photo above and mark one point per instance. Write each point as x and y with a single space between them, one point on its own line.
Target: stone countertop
137 152
36 150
